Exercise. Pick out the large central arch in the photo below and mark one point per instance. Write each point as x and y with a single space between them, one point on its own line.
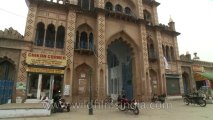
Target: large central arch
120 60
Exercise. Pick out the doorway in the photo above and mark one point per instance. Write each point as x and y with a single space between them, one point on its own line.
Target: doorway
119 59
44 85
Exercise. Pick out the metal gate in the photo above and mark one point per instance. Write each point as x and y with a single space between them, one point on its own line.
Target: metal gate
6 90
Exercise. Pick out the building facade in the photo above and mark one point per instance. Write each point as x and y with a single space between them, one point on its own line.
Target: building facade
114 45
196 73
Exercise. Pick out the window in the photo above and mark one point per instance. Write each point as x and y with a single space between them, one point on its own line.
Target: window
147 15
83 40
39 38
50 36
127 11
77 40
109 6
60 37
86 4
118 8
91 41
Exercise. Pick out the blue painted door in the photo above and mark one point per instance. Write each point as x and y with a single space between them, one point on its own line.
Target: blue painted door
6 90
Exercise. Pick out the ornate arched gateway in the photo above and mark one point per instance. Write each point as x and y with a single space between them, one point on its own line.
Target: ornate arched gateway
121 67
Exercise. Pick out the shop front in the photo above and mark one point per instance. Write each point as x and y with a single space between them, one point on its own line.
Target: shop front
45 75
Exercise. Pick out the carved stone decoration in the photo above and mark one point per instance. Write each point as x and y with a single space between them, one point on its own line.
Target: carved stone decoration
70 37
22 74
11 34
101 3
29 29
140 9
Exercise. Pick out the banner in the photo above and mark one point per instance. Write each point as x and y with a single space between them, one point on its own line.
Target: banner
45 70
46 59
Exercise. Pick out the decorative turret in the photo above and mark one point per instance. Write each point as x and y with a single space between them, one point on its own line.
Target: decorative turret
171 24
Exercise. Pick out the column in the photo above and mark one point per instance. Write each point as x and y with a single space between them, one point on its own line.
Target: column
101 49
39 86
69 48
145 63
161 76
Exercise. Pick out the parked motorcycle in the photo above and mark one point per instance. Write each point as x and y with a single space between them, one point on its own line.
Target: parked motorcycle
194 99
124 104
160 98
59 104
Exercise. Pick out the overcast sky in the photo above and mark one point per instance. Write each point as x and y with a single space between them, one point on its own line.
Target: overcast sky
193 19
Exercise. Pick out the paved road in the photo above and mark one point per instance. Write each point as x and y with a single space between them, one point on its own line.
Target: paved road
173 110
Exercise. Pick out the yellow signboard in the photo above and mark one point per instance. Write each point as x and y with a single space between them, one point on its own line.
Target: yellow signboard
45 70
46 59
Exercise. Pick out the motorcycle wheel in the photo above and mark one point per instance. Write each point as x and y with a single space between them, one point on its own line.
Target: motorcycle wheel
121 107
186 101
202 103
136 111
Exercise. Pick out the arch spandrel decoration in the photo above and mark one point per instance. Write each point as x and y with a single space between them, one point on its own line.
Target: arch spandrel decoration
126 38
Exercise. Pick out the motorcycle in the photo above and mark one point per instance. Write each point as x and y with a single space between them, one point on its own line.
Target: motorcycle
59 104
194 99
160 98
124 104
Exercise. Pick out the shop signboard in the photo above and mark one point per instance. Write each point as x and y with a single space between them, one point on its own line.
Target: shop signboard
45 70
46 59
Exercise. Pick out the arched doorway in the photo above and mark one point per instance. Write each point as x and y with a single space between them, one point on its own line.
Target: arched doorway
82 76
154 81
186 84
119 60
7 73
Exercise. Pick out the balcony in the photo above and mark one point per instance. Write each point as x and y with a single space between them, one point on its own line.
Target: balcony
152 57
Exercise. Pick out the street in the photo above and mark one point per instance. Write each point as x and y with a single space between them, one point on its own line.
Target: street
172 110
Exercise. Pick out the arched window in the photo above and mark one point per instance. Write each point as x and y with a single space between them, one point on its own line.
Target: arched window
7 70
118 8
60 37
172 53
86 4
39 38
91 41
127 11
77 40
164 54
50 36
83 40
109 6
147 15
152 50
167 53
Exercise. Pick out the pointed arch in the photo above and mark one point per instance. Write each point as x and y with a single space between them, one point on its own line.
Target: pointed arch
39 37
167 53
126 38
118 8
50 36
60 37
147 15
109 6
127 11
84 26
83 40
7 69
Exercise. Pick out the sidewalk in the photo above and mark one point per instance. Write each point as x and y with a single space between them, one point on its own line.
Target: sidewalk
176 111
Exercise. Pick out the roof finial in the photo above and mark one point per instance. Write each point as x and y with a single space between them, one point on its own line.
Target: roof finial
170 19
